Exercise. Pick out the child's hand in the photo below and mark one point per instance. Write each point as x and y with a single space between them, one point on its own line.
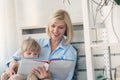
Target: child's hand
10 72
12 68
13 64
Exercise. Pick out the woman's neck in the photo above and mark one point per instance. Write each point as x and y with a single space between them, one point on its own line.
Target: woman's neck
54 44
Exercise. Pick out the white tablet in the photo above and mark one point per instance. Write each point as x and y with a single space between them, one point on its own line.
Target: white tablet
27 65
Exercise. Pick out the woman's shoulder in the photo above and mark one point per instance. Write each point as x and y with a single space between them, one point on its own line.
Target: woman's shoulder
71 47
43 40
70 52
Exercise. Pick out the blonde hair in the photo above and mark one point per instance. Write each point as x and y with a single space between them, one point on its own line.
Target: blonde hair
30 44
62 15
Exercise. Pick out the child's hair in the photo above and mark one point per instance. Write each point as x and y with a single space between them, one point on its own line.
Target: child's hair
30 44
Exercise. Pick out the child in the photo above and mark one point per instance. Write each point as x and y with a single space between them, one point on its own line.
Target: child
29 49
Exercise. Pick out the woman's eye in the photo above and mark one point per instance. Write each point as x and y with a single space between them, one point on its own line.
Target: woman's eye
61 27
53 26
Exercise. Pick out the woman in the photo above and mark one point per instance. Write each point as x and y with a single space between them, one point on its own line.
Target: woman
60 32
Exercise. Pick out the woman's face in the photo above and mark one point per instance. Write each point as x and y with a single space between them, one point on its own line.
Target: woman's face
57 30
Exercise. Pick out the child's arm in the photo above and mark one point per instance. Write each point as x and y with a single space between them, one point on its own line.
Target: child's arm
13 66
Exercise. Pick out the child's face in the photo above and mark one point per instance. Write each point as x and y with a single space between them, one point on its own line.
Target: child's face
30 54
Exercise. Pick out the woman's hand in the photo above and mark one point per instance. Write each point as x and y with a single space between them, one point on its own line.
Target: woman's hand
41 72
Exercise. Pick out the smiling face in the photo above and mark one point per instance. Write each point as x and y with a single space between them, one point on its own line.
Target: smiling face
60 18
57 30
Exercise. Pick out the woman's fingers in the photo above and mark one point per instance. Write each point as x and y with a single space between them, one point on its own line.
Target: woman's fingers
42 69
36 72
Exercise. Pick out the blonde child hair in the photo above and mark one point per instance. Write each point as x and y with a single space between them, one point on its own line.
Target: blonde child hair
31 45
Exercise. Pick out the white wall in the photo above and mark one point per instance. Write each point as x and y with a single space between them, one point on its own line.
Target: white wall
37 12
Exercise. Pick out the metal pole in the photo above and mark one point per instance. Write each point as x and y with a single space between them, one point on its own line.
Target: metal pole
107 57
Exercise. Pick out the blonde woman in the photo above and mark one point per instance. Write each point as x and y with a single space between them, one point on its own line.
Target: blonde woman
57 45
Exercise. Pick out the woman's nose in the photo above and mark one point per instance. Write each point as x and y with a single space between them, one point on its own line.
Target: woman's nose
56 29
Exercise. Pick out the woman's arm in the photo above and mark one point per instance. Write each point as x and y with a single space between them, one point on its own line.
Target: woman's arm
16 57
12 63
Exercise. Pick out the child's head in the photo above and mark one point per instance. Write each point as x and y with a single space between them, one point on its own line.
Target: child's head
30 48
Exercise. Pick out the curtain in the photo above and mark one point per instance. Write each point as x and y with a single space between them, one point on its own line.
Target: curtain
8 31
